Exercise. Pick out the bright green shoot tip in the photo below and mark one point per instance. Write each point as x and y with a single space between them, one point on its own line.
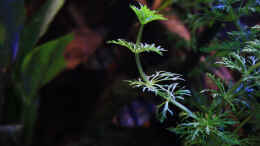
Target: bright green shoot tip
145 15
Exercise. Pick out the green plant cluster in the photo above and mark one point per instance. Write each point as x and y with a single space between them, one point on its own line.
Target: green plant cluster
26 66
230 106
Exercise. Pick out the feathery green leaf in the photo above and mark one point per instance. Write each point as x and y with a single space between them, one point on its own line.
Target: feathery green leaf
145 15
138 48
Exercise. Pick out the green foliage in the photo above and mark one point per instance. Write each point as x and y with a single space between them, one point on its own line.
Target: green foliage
213 14
218 83
252 47
31 67
169 92
221 46
207 126
42 64
235 62
217 121
231 106
138 48
156 82
38 25
146 15
244 60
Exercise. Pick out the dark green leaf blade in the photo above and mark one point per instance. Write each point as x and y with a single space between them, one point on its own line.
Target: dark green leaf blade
38 25
43 63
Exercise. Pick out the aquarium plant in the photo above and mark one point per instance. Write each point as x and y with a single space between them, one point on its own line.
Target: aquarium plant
229 107
25 66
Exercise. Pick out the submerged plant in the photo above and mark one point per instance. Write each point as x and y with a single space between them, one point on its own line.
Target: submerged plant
218 122
27 67
156 83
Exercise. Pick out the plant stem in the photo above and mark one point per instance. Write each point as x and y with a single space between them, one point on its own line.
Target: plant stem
139 67
184 108
234 87
232 90
237 84
137 57
29 118
179 105
140 33
251 69
143 76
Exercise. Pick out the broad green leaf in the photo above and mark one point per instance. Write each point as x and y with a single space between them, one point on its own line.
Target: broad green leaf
38 25
145 15
43 63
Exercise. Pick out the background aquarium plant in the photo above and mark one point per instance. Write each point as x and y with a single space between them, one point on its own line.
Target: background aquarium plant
25 66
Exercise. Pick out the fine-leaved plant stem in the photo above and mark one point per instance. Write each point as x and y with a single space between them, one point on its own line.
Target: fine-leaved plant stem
179 105
137 57
232 90
140 33
176 103
143 76
237 84
139 67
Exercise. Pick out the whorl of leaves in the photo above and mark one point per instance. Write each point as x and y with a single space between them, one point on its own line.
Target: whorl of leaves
145 15
138 48
205 127
157 84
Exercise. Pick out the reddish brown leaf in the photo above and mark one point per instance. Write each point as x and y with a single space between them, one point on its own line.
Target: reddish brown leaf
221 72
84 45
156 4
209 84
224 74
144 2
174 25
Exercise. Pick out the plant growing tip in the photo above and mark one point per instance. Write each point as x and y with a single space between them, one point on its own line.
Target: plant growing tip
145 15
